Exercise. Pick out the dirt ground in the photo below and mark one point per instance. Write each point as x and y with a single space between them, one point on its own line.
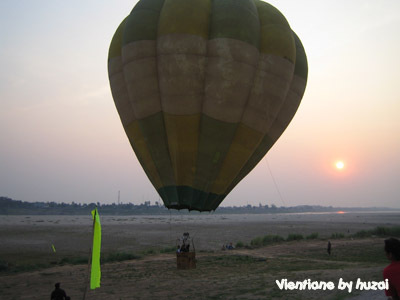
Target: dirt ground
236 274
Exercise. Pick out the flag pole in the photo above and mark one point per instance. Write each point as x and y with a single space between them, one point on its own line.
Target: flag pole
90 259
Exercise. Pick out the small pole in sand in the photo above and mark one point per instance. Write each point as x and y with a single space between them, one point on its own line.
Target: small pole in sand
87 275
87 279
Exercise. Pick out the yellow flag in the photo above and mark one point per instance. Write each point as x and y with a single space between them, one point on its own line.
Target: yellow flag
54 248
95 274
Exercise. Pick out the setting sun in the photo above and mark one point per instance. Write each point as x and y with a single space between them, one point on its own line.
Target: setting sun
339 165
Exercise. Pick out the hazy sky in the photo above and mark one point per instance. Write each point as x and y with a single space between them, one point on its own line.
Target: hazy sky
61 138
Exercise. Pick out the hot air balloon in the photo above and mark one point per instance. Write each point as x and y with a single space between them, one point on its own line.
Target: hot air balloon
204 89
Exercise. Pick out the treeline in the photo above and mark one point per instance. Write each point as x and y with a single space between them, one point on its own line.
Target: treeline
17 207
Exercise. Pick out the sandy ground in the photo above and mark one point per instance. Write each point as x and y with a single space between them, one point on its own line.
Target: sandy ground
29 238
210 231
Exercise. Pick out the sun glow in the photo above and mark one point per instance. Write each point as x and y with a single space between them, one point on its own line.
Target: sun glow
339 165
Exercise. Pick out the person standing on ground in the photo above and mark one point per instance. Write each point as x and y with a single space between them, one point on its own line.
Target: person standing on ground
329 247
392 271
59 294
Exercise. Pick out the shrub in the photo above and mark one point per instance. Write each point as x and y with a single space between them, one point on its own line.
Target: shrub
379 231
3 265
270 239
239 244
387 231
362 234
257 242
337 235
312 236
266 240
294 237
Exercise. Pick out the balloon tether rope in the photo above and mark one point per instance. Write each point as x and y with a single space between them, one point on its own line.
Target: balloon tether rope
276 186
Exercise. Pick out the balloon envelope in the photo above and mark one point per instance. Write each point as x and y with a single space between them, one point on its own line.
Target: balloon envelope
204 89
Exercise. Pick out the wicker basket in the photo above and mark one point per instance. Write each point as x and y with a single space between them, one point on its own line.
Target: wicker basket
186 260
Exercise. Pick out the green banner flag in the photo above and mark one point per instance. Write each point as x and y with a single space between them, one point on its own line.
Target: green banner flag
95 274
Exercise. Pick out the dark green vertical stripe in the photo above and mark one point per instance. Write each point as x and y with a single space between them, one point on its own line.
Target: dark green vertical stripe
116 42
153 130
206 201
235 19
215 139
258 154
301 67
142 23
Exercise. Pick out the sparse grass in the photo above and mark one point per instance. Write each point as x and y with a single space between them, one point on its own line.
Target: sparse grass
171 249
349 252
149 252
233 259
229 275
241 274
119 256
271 239
362 234
364 255
296 267
27 265
74 260
19 268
